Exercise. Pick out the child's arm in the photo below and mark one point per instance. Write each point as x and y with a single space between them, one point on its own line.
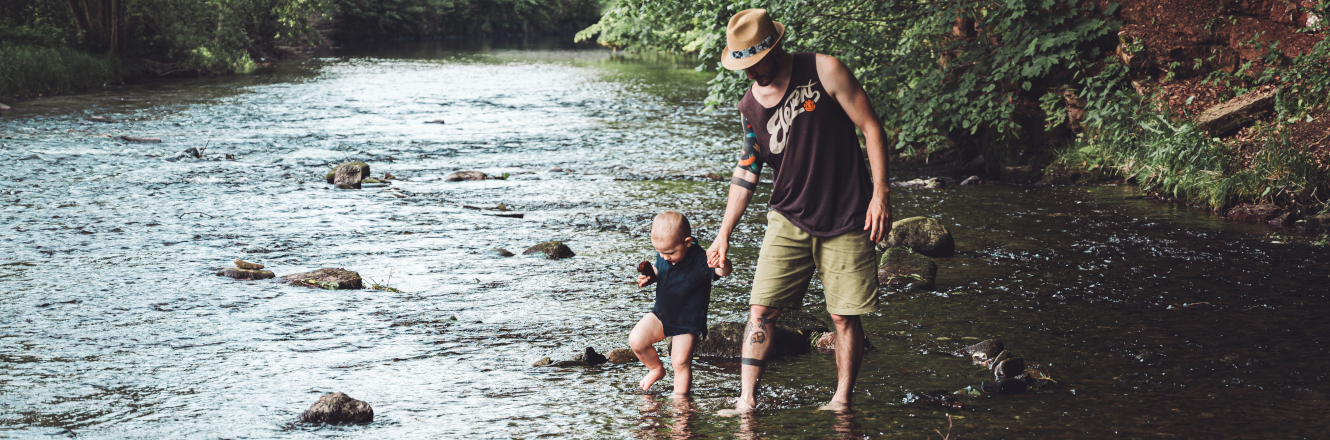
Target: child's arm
725 268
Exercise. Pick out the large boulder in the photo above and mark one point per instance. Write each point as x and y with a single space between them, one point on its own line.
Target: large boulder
923 234
901 266
1249 213
246 274
554 250
338 408
794 329
326 278
349 175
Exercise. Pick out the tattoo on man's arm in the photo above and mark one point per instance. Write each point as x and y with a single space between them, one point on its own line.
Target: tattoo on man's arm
749 160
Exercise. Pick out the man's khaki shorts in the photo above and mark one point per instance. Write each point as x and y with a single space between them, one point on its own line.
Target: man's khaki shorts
846 263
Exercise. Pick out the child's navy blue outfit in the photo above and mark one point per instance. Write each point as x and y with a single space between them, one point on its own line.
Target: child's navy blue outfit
683 291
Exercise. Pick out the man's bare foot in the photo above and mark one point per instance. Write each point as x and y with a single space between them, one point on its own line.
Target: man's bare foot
835 406
741 407
651 378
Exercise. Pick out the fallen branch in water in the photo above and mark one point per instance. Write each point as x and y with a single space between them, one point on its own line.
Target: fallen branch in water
194 212
949 425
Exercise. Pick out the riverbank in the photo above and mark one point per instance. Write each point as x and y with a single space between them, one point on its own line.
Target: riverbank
32 71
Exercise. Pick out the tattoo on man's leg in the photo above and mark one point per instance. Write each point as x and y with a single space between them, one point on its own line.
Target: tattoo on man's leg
759 337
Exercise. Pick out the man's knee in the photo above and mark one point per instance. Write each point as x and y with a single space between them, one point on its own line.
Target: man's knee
763 313
844 321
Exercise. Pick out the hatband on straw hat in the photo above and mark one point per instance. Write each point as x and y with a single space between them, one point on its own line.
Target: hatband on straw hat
749 36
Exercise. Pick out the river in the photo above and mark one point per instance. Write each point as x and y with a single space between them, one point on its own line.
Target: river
1154 319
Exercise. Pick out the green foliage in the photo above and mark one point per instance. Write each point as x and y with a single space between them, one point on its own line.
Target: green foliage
38 70
926 82
419 18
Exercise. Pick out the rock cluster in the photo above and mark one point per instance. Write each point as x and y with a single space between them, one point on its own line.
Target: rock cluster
589 357
245 270
1009 373
326 278
336 408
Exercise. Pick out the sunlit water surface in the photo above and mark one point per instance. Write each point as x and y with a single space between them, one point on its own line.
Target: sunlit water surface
1155 320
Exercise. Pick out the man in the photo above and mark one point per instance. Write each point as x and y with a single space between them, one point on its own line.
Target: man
827 211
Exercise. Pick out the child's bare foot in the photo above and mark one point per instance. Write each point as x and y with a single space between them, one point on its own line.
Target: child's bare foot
651 378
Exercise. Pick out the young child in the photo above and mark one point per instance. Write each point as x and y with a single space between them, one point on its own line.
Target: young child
682 295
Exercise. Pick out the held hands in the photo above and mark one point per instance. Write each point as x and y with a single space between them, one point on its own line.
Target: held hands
878 220
716 257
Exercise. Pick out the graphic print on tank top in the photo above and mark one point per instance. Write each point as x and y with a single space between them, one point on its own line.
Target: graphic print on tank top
803 99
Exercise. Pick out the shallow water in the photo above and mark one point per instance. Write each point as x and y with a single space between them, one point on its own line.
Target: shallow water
1155 320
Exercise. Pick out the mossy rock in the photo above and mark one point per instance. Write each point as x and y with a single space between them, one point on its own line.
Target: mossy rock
923 234
554 250
246 274
794 330
901 266
360 167
465 175
327 278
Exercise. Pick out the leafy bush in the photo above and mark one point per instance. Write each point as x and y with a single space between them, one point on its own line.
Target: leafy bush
37 70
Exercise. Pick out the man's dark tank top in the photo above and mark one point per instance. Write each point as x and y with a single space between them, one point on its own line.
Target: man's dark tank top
821 184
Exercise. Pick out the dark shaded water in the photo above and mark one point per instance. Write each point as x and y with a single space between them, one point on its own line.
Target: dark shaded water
1156 321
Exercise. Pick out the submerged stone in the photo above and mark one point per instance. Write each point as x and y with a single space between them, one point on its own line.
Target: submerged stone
982 351
338 408
327 278
621 356
554 250
500 252
923 234
246 274
247 265
590 356
1249 213
794 330
903 266
465 175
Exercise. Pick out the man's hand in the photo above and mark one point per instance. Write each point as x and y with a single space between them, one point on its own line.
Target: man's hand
878 221
716 257
642 281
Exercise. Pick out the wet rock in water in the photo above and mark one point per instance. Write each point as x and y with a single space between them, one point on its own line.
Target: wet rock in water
982 351
920 183
245 274
1249 213
465 175
903 266
925 235
338 408
555 170
99 119
941 398
542 362
1317 223
825 343
712 177
436 121
554 250
326 278
621 356
141 140
193 152
972 180
573 363
1004 386
331 177
499 252
1010 367
590 356
350 175
794 329
247 265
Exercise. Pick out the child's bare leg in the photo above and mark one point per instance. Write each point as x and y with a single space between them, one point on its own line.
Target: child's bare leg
681 358
648 331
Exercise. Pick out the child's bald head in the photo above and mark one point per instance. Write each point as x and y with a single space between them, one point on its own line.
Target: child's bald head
670 227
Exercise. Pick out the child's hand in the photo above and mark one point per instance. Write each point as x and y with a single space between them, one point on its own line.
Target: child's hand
642 281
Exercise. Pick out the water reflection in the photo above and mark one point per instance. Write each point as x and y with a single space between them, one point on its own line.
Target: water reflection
670 418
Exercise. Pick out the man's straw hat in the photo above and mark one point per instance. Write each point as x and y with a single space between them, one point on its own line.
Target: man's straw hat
749 37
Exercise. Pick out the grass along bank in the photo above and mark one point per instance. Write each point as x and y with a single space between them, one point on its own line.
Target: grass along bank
29 70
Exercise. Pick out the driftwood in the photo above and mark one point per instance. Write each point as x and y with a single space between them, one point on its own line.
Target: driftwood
141 140
1229 115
